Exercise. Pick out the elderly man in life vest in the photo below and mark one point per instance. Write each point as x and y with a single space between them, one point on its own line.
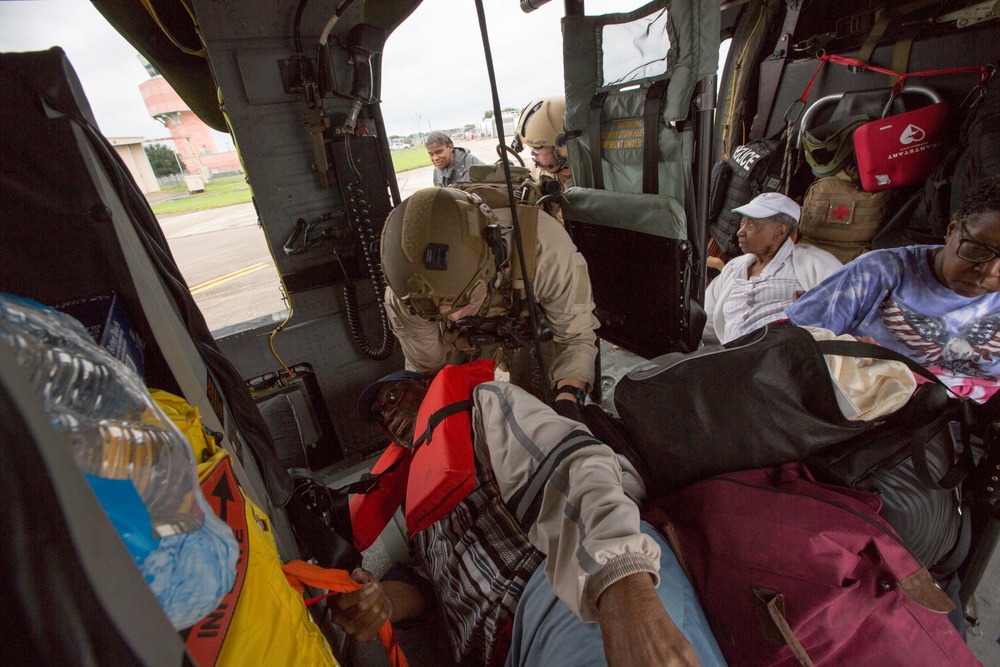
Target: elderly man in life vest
756 287
527 527
456 293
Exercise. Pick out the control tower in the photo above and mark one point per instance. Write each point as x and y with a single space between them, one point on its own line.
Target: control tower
192 138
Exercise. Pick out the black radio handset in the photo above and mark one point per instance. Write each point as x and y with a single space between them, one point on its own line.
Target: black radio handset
494 235
363 41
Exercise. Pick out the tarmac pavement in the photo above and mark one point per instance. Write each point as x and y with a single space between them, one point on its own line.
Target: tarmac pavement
224 257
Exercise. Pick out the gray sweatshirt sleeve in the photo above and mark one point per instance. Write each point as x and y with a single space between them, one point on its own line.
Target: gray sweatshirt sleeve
568 491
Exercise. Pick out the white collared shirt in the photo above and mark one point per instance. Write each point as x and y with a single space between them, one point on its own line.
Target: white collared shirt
754 302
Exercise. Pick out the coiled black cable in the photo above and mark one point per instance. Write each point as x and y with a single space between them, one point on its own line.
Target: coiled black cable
360 215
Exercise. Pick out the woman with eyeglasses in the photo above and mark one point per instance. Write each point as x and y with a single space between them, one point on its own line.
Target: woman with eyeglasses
938 305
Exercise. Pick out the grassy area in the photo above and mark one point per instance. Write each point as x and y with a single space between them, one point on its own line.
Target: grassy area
234 189
411 158
218 192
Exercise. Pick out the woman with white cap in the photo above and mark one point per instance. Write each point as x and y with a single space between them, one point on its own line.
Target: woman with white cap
755 288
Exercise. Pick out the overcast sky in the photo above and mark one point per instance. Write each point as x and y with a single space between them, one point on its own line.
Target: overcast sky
433 65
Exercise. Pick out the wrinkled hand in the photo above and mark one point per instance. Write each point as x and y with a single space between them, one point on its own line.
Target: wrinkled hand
569 409
362 612
866 339
637 630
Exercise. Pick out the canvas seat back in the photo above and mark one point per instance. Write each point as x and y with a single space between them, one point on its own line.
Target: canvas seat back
629 82
630 78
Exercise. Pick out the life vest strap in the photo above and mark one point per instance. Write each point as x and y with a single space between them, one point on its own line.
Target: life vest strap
439 416
369 483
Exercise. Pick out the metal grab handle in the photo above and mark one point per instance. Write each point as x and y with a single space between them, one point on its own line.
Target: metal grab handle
931 94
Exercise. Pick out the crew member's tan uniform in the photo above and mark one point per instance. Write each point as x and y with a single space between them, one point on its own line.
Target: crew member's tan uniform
562 289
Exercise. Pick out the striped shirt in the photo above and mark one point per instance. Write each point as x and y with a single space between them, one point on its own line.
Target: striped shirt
479 560
754 302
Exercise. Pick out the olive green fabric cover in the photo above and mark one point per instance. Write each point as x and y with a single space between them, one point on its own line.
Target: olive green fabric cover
650 214
693 30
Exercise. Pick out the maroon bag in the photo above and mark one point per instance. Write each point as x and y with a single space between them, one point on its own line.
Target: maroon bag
794 572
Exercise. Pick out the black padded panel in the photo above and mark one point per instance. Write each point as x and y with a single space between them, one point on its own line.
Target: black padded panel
647 318
281 420
58 238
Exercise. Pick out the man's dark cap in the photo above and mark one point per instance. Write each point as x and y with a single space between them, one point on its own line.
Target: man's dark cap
371 391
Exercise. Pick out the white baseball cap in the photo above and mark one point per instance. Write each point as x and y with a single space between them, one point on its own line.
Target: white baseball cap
769 204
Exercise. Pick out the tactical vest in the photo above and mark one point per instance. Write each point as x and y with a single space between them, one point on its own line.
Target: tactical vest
751 170
841 218
510 296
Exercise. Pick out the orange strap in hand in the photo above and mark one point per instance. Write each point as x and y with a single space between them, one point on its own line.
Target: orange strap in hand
299 572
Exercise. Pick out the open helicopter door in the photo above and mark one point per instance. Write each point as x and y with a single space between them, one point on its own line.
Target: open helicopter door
630 79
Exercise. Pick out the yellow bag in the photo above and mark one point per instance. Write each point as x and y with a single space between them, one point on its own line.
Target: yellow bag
262 620
186 418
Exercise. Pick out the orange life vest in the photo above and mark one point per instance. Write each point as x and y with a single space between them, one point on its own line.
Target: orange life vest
438 472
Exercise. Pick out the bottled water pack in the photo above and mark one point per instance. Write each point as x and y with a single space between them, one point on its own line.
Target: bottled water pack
138 463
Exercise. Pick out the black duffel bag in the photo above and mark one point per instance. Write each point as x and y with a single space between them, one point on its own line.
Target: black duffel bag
761 400
767 399
915 461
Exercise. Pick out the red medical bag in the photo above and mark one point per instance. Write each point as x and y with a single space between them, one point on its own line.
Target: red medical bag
902 150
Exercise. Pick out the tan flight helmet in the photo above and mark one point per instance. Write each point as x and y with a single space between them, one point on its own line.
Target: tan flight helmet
435 255
541 124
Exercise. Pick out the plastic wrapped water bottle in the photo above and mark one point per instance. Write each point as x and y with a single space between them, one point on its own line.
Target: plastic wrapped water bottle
139 464
104 412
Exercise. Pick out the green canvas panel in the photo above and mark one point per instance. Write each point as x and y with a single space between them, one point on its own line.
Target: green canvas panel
621 156
693 31
657 215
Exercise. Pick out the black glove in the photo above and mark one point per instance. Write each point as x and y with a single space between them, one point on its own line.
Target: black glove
568 408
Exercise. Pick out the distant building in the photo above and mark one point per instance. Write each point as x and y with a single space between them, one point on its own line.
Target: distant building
192 139
487 127
134 156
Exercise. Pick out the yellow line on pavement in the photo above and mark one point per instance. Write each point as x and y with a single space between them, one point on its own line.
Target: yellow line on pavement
214 282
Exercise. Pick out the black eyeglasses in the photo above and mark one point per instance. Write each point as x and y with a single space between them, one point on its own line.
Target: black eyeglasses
387 399
974 251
